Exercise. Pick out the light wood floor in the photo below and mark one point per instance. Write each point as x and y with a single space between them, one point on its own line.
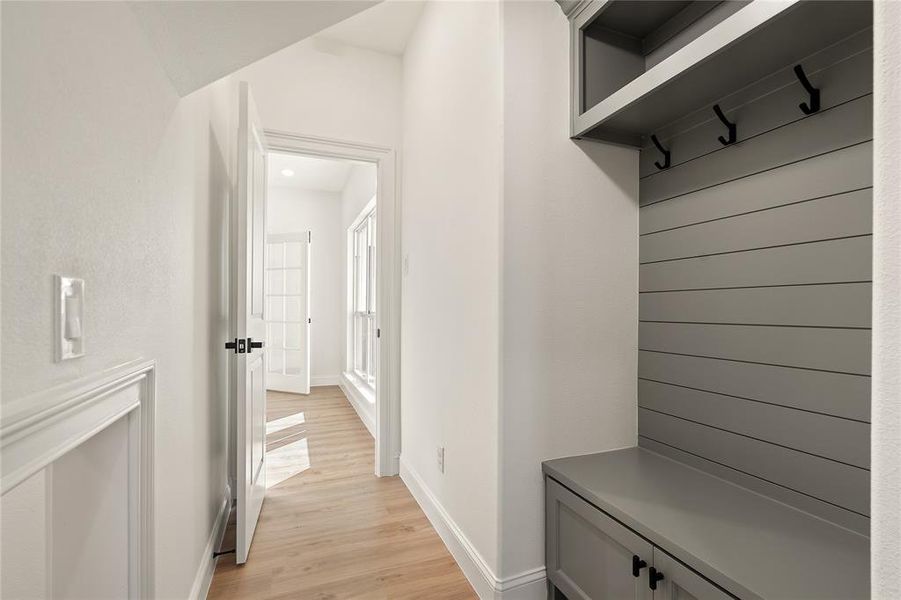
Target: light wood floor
329 528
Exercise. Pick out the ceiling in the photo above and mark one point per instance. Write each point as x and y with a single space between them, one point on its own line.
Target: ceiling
385 27
318 174
200 42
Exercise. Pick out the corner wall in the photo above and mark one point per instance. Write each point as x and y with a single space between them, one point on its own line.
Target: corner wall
451 245
886 410
570 295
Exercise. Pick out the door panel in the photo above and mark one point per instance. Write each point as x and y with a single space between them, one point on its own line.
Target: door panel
249 240
589 555
288 316
681 583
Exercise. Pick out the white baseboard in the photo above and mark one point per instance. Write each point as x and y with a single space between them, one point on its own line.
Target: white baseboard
207 567
365 409
529 585
321 380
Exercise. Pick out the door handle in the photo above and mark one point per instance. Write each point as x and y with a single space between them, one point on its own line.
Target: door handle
242 346
637 565
653 577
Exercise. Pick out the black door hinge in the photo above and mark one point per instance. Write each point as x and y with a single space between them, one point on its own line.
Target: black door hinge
378 333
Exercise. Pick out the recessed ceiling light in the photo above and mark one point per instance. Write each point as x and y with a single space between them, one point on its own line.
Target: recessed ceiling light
287 172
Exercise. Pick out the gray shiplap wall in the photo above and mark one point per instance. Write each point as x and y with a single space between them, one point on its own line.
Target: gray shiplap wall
755 285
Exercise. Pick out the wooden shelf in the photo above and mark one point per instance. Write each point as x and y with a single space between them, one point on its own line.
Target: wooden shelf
761 38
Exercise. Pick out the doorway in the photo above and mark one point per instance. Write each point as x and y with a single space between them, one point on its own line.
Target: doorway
341 196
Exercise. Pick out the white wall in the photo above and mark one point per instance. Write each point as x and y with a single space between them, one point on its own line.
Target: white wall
570 283
89 517
327 89
886 432
293 210
23 540
451 235
360 188
116 180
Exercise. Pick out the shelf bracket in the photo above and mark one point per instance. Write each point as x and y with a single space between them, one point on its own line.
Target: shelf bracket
733 130
808 108
664 151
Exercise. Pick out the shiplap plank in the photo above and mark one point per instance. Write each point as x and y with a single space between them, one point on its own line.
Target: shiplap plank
838 394
843 170
839 484
827 436
842 72
832 261
841 215
834 514
840 350
827 130
833 305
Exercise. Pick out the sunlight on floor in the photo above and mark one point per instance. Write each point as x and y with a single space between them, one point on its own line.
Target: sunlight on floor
287 461
285 422
287 449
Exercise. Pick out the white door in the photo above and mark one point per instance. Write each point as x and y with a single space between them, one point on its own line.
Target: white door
250 220
288 312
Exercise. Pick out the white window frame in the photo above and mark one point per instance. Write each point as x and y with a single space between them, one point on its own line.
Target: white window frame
362 351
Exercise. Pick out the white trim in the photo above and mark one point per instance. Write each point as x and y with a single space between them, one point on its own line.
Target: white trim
38 429
522 586
388 277
322 380
364 405
207 566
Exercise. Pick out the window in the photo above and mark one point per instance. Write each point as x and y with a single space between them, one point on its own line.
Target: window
364 343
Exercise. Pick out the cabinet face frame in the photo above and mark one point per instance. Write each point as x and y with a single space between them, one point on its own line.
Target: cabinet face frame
677 576
557 498
581 18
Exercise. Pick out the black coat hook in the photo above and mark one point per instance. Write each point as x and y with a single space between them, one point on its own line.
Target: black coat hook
666 154
814 104
733 130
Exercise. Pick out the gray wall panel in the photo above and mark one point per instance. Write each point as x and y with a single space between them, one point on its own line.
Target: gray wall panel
834 482
830 512
840 350
841 215
846 396
755 287
838 439
832 305
833 261
826 131
843 170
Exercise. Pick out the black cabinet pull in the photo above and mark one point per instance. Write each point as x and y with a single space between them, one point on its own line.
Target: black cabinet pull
637 565
653 577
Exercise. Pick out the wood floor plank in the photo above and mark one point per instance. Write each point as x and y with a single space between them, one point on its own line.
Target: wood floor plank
329 528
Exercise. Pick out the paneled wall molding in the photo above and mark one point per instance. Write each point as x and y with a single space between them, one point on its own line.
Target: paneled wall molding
755 285
38 429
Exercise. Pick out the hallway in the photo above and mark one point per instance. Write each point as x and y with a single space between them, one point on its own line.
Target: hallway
329 527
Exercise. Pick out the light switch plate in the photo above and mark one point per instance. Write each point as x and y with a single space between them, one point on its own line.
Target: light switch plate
69 327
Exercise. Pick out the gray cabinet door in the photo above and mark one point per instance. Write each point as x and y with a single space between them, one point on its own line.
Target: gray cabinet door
589 555
681 583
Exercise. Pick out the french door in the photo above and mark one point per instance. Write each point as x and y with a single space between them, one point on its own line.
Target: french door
288 319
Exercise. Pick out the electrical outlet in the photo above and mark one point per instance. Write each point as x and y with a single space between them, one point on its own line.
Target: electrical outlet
440 457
